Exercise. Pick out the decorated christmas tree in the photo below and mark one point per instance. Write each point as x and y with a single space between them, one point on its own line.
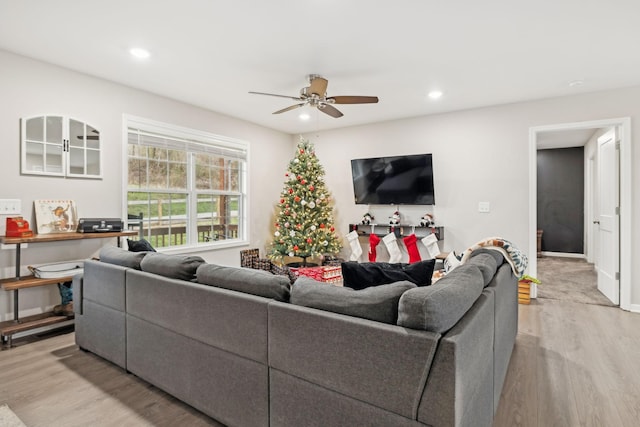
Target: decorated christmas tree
304 223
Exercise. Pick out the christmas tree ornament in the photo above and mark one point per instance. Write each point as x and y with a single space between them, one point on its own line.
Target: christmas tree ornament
391 243
412 248
354 243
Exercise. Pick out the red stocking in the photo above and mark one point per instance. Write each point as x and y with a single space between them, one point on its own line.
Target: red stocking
373 242
412 248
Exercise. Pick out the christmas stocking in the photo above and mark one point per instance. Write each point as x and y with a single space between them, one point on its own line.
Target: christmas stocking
373 242
412 248
392 246
431 243
356 249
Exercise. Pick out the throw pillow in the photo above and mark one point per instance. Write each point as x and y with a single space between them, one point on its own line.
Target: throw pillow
181 267
363 275
247 280
121 257
379 303
141 245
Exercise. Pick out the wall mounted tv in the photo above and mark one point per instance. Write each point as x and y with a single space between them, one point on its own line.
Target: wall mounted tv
398 180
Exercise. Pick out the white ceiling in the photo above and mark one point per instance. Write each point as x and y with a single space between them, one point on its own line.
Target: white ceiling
212 53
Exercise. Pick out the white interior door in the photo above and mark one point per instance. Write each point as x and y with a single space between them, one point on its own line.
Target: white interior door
607 220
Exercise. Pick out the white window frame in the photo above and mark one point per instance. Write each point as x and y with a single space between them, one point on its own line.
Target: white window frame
196 137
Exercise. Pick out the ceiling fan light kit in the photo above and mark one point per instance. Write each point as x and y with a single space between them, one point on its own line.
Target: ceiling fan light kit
315 95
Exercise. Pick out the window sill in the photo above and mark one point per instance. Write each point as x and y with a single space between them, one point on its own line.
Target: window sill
203 247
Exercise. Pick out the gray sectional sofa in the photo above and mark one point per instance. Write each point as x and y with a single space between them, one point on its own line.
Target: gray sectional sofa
233 346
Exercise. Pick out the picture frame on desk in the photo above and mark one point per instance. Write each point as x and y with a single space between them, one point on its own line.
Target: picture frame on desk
55 216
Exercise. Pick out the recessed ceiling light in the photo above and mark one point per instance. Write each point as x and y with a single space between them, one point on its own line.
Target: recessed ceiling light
576 83
304 116
434 94
138 52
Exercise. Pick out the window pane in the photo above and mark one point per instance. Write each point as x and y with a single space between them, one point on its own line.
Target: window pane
157 175
165 219
137 173
35 129
178 175
76 133
233 167
93 162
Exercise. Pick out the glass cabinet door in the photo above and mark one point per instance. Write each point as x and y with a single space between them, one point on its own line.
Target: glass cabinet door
43 145
84 150
60 146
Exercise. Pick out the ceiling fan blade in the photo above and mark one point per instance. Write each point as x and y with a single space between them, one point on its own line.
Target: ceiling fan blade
281 96
353 99
330 110
293 107
318 86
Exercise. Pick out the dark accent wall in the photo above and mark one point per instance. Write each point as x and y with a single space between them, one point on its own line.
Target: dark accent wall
561 199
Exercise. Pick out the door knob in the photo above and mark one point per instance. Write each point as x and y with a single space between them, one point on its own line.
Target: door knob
596 222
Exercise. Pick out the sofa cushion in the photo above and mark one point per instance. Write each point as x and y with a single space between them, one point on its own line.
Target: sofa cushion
181 267
141 245
379 303
121 257
247 280
362 275
487 265
437 308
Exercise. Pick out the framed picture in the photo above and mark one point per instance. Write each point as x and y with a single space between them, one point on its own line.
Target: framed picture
56 216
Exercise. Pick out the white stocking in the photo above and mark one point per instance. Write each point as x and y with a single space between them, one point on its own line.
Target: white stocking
431 243
356 249
391 242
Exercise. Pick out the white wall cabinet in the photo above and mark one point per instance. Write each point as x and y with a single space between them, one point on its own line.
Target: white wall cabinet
60 146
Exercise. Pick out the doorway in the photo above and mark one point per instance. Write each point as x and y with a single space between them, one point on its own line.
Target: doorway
624 247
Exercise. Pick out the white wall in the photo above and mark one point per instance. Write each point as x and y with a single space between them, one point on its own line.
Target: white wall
30 88
479 155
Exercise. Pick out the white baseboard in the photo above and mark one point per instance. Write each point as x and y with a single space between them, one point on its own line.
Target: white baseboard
564 255
634 308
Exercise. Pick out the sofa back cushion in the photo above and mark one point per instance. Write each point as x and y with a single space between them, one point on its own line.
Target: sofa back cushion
121 257
379 303
181 267
487 265
362 275
437 308
247 280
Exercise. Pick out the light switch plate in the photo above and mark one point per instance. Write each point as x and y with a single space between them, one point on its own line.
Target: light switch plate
10 206
484 207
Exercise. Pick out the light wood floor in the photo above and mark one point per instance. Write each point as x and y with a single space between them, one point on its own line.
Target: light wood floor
573 365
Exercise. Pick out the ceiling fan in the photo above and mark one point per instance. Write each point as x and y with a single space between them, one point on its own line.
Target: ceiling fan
315 95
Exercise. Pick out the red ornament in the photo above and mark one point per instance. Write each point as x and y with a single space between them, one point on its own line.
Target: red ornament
299 226
309 240
332 229
295 248
299 177
322 225
311 188
281 201
301 151
291 191
296 199
303 182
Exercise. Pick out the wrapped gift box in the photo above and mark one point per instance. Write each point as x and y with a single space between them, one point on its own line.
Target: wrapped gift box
325 274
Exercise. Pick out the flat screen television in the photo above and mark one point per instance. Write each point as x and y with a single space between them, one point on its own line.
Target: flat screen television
397 180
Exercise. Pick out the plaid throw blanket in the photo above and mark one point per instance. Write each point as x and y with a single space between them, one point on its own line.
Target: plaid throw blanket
516 259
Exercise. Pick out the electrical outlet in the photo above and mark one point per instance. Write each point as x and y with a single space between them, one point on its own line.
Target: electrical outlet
484 207
10 206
